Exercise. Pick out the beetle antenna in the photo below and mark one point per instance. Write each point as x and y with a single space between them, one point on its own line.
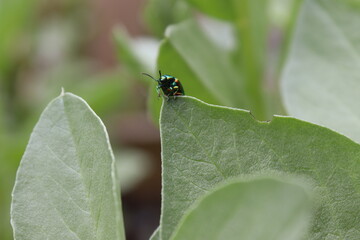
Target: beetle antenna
150 76
160 73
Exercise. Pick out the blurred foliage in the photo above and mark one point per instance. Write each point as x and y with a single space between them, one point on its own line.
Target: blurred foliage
160 13
320 80
236 33
41 52
126 53
15 17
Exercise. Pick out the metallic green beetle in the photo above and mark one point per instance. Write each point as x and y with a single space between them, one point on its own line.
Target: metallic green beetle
169 85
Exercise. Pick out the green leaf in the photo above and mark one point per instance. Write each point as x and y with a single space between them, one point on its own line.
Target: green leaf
320 81
260 208
251 22
2 111
195 53
15 16
284 15
66 186
203 145
161 13
170 62
220 9
187 54
104 92
126 53
154 105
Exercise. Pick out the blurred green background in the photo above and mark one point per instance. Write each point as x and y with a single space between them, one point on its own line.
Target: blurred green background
97 49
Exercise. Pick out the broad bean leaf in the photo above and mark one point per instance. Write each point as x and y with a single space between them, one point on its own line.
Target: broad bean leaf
159 14
65 186
203 145
208 62
219 9
249 17
256 209
128 52
188 54
171 62
252 25
125 52
320 80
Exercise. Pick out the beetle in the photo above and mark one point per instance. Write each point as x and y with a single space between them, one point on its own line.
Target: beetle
169 85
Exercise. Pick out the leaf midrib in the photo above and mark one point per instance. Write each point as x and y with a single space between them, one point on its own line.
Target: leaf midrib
78 160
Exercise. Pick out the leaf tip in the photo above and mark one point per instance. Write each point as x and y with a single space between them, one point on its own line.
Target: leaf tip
62 93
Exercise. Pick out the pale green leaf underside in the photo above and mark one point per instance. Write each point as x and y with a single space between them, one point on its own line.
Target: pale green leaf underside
256 209
209 64
126 53
321 79
65 186
181 56
203 145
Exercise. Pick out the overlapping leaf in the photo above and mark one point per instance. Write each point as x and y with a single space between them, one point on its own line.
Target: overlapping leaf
320 82
203 145
260 208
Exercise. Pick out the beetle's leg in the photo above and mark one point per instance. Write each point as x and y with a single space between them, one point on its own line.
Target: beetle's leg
176 91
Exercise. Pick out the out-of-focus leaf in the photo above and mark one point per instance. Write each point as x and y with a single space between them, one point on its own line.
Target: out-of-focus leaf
170 62
286 22
161 13
2 111
220 9
65 186
6 180
256 209
221 33
252 24
280 12
203 145
250 19
205 70
14 20
126 52
104 91
154 105
208 63
7 173
7 169
320 81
